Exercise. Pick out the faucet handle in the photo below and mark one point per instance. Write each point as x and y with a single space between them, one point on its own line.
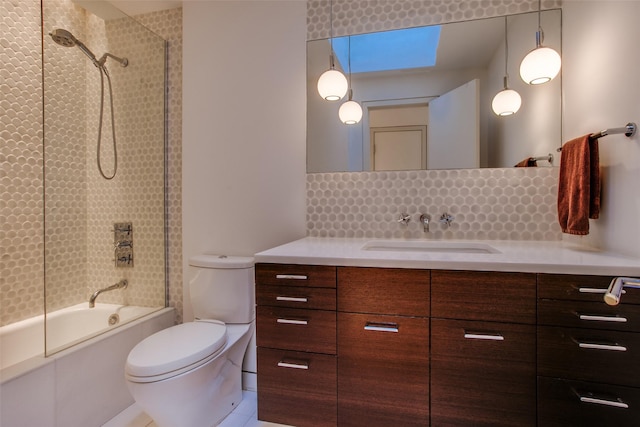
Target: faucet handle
446 219
404 218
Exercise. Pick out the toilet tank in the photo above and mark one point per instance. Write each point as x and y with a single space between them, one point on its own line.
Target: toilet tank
222 288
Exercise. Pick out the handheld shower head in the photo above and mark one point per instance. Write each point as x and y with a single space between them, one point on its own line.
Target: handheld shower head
66 39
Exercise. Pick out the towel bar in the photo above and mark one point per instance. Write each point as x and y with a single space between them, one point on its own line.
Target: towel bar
548 158
629 130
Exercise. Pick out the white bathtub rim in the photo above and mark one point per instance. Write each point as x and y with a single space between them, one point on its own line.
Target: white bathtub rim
27 366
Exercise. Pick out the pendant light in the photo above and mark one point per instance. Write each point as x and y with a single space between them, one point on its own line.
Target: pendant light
332 84
350 112
507 101
542 64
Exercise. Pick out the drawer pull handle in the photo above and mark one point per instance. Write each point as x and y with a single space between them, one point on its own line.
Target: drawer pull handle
291 299
381 327
283 364
615 403
596 318
491 337
291 276
609 347
293 321
595 291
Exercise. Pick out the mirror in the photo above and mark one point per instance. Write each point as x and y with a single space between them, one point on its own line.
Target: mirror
442 112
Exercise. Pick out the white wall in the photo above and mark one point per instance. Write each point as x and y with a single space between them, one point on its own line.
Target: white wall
243 127
601 72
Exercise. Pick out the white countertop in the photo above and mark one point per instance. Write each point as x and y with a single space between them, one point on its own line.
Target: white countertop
517 256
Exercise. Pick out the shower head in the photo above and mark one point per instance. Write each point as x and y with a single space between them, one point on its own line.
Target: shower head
66 39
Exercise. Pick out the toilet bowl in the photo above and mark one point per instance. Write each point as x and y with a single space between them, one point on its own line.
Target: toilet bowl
190 375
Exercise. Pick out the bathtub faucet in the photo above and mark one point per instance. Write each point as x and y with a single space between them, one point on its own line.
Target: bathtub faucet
122 284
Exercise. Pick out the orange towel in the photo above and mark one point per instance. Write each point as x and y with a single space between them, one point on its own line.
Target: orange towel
579 185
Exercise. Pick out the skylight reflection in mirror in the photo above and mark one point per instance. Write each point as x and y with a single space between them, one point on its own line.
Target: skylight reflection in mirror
389 50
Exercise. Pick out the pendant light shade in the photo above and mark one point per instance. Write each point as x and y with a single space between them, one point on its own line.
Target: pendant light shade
541 65
332 85
350 112
507 101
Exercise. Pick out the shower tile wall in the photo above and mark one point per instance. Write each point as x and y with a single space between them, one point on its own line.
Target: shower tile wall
74 219
65 168
21 177
515 204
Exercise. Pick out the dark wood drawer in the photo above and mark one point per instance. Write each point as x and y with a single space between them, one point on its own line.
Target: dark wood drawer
594 315
319 276
580 288
565 403
482 374
296 329
589 355
297 389
488 296
384 375
391 291
297 297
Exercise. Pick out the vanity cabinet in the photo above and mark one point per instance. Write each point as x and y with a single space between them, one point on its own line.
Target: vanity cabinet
296 338
587 353
483 341
358 346
383 347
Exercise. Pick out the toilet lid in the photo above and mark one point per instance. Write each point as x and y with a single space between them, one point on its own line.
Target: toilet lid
176 347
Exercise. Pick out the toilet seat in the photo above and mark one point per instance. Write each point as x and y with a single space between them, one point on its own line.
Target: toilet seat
175 350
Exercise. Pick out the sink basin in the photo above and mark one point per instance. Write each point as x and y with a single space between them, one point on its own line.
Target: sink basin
430 246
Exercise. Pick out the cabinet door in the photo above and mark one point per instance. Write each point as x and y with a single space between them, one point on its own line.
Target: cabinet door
317 276
296 329
390 291
482 374
484 296
590 355
564 403
296 388
383 366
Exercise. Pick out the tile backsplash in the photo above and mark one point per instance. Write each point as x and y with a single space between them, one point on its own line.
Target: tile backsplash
491 204
366 16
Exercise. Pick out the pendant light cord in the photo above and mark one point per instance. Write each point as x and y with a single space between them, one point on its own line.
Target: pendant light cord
331 59
349 65
506 50
540 34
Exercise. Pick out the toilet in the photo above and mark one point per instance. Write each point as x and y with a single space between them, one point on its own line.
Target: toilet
190 375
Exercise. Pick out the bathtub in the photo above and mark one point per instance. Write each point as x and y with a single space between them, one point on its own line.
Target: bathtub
23 340
82 383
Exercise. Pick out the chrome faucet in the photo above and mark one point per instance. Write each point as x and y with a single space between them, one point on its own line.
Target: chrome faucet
424 220
122 284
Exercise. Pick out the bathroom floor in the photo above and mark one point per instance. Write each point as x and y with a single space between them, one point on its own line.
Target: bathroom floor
245 415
